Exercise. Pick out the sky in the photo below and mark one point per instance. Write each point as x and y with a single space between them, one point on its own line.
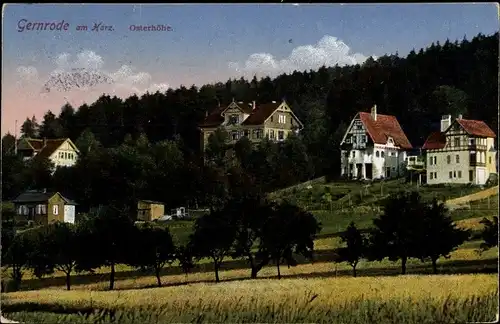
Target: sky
202 44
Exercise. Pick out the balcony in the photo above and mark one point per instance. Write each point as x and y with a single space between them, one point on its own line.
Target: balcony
477 147
477 164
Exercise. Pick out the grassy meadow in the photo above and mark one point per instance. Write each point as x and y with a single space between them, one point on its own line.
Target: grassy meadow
466 289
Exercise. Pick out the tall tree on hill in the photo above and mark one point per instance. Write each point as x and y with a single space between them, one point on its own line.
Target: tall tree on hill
8 143
67 121
51 127
30 128
449 100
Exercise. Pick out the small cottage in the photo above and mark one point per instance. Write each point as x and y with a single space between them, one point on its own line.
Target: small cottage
148 210
41 207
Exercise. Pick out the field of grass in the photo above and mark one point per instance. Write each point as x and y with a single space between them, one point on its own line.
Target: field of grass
398 299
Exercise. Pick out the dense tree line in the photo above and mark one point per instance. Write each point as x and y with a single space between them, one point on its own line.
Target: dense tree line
454 77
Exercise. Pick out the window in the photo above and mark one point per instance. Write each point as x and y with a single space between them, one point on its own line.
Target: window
435 160
363 139
382 154
473 157
282 119
272 119
281 135
271 134
472 141
432 174
454 174
451 174
55 209
354 139
457 141
459 174
353 154
430 160
61 155
246 133
457 158
471 175
234 135
23 210
233 120
448 159
489 160
377 154
435 175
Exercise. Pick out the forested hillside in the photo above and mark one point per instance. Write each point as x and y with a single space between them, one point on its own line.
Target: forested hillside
454 77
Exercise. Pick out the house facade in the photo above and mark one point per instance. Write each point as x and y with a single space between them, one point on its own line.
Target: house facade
373 147
43 208
463 152
61 152
275 121
148 210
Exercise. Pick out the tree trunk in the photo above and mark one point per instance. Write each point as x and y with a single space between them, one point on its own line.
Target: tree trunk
434 266
112 277
216 268
278 267
157 272
68 280
354 270
403 265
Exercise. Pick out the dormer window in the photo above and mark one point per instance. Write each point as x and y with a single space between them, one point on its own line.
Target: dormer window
282 119
233 120
390 140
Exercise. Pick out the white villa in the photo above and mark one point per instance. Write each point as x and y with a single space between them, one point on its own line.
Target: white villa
61 152
462 152
374 146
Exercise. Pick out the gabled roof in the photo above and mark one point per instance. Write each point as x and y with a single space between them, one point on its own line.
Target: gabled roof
35 196
436 140
384 127
50 147
151 202
257 116
476 128
261 113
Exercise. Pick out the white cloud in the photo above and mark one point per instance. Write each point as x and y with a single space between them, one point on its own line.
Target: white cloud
328 51
125 81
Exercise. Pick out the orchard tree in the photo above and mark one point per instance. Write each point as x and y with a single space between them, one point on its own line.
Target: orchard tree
438 234
290 230
355 247
213 237
154 249
249 216
395 234
489 233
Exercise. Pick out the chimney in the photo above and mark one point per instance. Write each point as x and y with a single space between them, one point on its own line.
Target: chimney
253 105
460 116
374 112
445 122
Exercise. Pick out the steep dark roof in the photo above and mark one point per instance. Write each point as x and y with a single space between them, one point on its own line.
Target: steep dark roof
385 126
261 113
257 115
436 140
50 147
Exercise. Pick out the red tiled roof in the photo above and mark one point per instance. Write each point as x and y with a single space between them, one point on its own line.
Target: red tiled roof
385 126
261 113
213 119
476 128
436 140
51 146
